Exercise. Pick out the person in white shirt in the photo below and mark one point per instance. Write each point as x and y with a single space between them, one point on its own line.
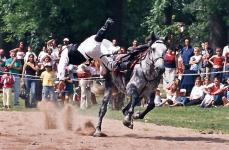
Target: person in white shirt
197 93
226 50
95 47
30 51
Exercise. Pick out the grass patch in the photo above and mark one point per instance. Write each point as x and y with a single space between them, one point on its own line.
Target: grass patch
212 119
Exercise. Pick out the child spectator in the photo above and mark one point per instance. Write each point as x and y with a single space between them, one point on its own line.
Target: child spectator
195 61
181 99
69 86
217 62
157 99
206 53
48 77
7 80
171 93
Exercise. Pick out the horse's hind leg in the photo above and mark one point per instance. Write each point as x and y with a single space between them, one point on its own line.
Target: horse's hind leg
128 120
149 107
103 107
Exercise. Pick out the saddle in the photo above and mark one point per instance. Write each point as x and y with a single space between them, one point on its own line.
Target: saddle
128 61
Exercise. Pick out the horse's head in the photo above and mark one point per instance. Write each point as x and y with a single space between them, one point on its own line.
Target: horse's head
157 51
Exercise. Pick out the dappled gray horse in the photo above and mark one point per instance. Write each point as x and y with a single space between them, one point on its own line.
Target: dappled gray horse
142 83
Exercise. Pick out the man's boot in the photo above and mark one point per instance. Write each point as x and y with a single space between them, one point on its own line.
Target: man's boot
100 35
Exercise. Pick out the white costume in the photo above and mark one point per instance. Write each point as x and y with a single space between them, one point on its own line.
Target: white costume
90 49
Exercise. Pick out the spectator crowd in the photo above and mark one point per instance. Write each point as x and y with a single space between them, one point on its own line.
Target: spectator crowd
193 76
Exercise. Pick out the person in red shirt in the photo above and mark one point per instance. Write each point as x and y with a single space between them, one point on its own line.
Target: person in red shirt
216 90
170 67
7 80
217 62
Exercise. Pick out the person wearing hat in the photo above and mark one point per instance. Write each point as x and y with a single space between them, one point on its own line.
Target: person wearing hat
66 41
94 47
48 77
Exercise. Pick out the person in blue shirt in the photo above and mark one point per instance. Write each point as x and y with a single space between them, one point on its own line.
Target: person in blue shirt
187 53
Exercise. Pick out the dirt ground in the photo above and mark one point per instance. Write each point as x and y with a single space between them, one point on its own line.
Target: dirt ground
64 130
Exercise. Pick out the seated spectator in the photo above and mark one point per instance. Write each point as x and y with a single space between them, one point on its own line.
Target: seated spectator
217 62
208 99
225 98
216 89
181 99
171 93
157 99
197 93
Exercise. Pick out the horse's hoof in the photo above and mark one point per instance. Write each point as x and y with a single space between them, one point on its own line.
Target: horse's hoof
136 115
127 122
99 134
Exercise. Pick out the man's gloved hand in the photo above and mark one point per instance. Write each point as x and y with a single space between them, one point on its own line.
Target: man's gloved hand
109 21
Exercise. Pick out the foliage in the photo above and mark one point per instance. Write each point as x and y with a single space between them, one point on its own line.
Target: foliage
195 14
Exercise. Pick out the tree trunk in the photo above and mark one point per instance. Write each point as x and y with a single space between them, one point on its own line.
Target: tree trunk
218 31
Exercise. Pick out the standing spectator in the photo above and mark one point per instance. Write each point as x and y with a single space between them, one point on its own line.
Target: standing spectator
196 60
28 76
170 67
69 85
42 54
226 68
115 43
206 54
7 80
65 43
30 51
15 67
186 53
2 59
226 50
133 47
85 85
48 77
217 61
20 54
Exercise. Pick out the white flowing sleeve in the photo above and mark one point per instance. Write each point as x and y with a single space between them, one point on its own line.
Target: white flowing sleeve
63 63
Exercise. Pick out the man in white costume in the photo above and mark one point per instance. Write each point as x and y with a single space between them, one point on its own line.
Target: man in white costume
94 47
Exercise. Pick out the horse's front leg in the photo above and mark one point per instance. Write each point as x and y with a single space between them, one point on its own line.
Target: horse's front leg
150 106
103 107
128 119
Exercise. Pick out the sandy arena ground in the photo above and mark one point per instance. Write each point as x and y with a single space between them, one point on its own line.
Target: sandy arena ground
51 130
